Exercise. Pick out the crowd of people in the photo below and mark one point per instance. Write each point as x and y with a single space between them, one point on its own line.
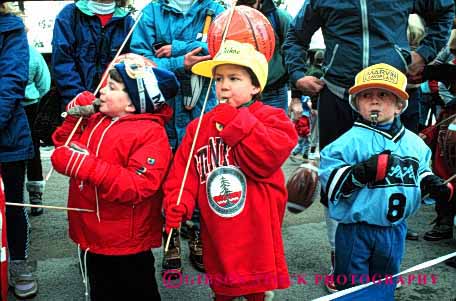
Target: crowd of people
139 156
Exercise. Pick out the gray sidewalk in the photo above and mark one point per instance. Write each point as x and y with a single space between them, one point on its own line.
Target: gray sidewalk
306 248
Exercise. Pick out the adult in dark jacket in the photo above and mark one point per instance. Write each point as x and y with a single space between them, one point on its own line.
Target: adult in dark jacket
87 35
359 34
15 144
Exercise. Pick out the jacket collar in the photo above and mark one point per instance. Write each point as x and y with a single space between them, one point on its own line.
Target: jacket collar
394 133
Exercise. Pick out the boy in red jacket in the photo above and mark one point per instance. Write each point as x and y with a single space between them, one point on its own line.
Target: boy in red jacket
302 126
235 178
116 167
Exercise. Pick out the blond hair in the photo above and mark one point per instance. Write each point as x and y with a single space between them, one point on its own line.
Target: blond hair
415 30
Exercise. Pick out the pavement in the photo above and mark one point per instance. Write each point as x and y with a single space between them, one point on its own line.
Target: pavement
306 248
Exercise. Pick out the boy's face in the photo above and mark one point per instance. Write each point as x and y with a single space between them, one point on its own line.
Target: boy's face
114 100
234 85
381 101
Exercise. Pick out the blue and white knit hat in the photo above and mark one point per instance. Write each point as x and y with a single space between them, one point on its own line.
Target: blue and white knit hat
148 87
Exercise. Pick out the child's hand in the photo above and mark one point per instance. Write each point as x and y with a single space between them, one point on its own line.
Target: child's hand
374 169
436 188
174 215
82 99
73 161
223 114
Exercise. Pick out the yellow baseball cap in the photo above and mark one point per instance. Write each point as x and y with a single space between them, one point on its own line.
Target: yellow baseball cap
236 53
380 76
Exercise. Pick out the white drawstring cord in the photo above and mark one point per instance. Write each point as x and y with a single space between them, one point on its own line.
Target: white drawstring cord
96 154
83 269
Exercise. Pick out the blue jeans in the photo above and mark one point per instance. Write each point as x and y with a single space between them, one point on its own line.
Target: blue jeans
302 147
276 97
367 250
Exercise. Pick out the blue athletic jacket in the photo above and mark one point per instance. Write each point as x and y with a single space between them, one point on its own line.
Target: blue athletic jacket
15 139
82 49
384 203
360 33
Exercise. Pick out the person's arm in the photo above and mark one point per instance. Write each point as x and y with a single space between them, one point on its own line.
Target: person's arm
340 178
183 47
143 39
42 78
438 16
298 39
14 59
67 78
261 141
173 181
61 134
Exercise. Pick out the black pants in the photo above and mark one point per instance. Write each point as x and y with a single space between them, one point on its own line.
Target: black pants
129 277
34 169
411 117
445 212
13 174
335 117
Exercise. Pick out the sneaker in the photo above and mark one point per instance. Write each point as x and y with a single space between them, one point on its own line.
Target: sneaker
21 279
439 232
329 282
196 250
172 264
36 198
411 235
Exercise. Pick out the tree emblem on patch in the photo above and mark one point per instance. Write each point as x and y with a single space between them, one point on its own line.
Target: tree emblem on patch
226 190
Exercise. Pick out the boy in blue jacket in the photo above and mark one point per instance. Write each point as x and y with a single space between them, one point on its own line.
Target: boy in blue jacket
374 176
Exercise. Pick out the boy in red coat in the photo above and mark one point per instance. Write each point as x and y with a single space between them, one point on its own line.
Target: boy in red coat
235 178
302 126
116 167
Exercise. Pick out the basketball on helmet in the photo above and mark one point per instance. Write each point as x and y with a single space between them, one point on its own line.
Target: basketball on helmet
302 187
247 25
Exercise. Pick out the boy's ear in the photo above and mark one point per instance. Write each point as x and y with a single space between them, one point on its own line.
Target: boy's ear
399 107
130 108
255 90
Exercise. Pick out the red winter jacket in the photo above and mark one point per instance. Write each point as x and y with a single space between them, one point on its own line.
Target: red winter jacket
302 126
129 196
242 207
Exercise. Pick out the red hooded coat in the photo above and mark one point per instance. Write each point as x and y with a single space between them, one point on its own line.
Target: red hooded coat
129 196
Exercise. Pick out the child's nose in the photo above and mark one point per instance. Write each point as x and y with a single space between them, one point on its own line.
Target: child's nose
224 84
